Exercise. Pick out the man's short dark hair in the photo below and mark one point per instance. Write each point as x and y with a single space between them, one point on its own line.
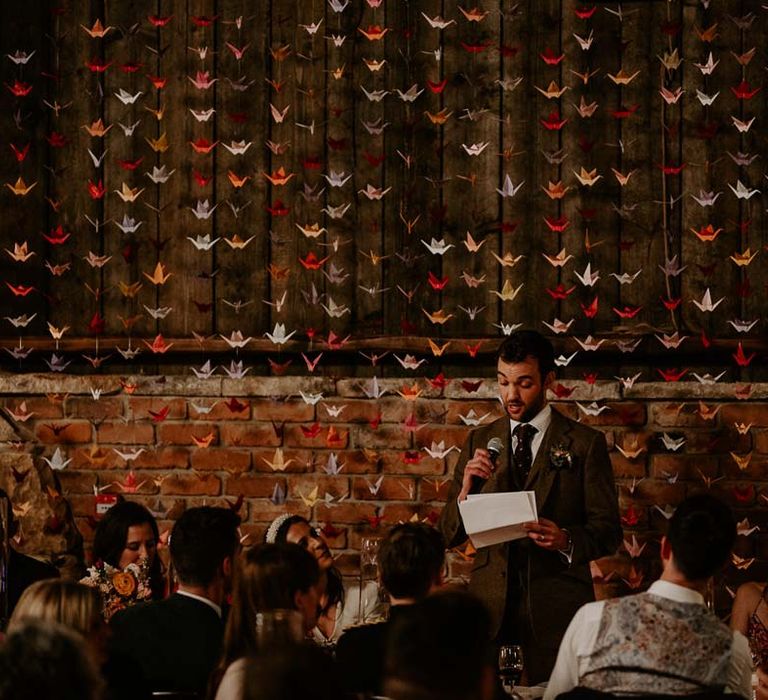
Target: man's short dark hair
411 558
44 659
440 649
200 541
701 534
521 345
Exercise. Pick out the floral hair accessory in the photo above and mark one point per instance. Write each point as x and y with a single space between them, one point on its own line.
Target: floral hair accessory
119 588
560 458
275 526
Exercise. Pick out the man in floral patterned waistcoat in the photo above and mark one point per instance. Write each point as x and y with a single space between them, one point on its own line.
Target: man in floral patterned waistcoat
533 587
665 641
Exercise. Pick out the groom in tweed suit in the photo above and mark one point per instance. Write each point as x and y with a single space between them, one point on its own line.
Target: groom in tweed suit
533 587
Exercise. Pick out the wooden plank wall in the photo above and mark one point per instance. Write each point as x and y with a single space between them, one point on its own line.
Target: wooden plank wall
335 166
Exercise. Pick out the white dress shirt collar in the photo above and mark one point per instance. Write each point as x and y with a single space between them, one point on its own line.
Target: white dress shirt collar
207 601
673 591
541 422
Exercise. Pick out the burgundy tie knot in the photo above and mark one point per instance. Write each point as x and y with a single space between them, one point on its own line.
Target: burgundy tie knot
523 455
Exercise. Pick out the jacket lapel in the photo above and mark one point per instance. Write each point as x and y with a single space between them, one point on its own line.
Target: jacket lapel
541 476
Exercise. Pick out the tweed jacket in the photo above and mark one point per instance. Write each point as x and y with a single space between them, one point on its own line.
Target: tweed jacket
577 493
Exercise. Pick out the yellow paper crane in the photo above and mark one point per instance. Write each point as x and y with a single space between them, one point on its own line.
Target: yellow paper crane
160 144
278 463
508 292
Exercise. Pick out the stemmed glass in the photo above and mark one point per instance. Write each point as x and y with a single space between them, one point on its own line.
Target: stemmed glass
278 628
369 570
510 667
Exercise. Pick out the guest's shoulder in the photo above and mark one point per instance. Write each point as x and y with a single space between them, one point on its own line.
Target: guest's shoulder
750 592
232 681
591 613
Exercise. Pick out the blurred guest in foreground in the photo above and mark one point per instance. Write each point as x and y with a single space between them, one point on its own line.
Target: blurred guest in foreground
340 603
664 641
269 577
411 559
176 641
302 672
441 650
71 604
78 607
45 660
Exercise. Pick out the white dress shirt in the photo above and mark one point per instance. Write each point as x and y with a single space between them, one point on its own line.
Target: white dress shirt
541 422
581 635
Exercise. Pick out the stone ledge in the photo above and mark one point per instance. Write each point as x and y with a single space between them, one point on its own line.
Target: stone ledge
40 384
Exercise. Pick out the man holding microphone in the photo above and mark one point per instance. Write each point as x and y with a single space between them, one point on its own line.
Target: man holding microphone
533 586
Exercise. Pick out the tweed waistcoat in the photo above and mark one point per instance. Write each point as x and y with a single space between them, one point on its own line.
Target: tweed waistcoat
650 644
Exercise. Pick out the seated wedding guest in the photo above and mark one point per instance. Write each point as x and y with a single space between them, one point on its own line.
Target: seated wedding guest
750 617
340 603
23 570
176 642
78 607
441 650
268 577
126 535
303 672
43 659
664 641
71 604
411 559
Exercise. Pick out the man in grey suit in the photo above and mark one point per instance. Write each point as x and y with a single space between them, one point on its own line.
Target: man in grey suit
534 586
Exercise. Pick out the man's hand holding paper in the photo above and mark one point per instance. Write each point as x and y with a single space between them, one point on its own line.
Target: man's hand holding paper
492 518
548 535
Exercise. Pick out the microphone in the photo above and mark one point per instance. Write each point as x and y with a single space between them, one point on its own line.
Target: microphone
494 447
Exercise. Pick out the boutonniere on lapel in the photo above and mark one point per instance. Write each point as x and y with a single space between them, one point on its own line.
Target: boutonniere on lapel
560 458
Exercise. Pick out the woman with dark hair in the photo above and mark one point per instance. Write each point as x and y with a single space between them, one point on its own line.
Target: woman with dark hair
126 535
341 606
268 577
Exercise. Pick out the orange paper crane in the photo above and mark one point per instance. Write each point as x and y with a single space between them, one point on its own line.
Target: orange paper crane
159 276
20 188
279 177
97 31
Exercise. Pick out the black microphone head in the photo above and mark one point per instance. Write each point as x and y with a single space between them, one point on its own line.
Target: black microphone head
495 447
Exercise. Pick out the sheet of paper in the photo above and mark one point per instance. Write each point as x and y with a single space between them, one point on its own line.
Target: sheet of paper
491 518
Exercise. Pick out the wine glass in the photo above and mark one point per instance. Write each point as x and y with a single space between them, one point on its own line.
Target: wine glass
369 570
278 628
510 667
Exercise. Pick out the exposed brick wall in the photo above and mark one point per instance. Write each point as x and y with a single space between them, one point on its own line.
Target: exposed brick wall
263 439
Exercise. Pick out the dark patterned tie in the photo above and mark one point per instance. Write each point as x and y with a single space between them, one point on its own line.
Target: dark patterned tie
523 455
